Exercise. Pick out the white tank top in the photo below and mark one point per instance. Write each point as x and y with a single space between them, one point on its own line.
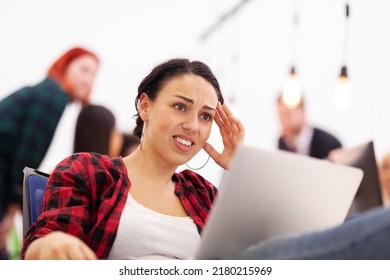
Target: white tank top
147 234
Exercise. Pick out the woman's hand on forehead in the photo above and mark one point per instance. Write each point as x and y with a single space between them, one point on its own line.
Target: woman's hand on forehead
232 132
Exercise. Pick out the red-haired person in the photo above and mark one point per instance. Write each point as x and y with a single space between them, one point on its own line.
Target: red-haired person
29 118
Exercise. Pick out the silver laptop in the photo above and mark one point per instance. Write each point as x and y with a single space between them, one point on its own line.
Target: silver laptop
269 193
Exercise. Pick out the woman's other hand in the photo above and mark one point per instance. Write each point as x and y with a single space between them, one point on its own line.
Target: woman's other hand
59 246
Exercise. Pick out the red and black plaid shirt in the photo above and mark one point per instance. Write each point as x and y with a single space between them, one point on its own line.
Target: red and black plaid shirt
86 194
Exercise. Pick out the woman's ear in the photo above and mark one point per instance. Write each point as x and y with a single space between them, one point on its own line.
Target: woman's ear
143 106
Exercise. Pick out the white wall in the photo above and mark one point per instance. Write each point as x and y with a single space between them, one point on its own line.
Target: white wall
250 54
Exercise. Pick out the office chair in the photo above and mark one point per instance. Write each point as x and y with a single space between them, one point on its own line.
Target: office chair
34 185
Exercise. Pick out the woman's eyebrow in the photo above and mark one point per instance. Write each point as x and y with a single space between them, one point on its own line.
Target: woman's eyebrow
189 100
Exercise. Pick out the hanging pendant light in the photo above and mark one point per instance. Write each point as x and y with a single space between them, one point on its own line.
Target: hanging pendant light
292 91
342 94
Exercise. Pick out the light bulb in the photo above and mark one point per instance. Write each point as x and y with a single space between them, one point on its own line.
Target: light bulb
292 91
342 92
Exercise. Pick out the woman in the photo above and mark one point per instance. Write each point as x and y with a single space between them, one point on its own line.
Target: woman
29 118
176 104
138 207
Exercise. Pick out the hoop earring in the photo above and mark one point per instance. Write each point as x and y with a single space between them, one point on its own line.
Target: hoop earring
142 136
199 167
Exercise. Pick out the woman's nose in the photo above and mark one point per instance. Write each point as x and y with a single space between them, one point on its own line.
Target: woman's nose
191 124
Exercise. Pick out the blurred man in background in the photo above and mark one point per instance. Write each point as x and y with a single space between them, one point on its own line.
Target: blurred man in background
298 136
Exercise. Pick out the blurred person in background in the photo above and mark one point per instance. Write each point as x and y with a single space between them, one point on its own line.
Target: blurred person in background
299 137
29 118
384 175
96 132
130 144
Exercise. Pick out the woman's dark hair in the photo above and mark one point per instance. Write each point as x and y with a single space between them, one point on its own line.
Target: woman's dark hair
93 129
166 71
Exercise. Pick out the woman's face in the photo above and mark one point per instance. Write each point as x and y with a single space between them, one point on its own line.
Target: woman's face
80 76
178 122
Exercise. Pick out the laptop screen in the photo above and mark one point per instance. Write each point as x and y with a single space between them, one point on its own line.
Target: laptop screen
369 193
270 193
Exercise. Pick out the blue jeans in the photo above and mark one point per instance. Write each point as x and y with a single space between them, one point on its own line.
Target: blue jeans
365 237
